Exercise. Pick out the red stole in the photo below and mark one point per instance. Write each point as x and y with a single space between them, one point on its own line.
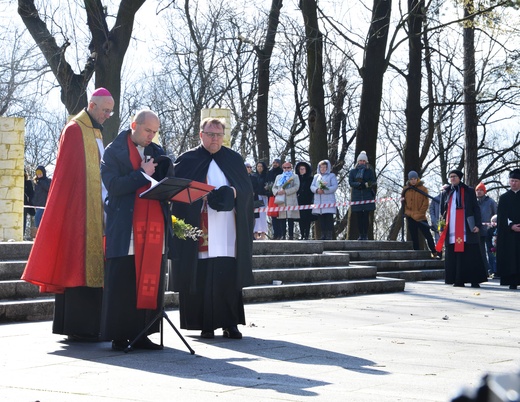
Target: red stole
148 225
459 225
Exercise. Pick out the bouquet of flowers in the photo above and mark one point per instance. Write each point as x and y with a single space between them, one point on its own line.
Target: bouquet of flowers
286 184
184 230
441 225
322 185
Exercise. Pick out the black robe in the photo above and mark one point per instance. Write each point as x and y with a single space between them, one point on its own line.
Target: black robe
508 242
194 165
468 266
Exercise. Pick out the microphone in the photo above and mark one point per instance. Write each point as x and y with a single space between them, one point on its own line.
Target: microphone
148 153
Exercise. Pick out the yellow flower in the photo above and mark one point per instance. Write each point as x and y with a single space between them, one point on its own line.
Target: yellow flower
184 230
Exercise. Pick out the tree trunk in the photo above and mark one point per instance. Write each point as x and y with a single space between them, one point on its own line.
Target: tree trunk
374 67
413 110
470 97
318 149
264 61
106 53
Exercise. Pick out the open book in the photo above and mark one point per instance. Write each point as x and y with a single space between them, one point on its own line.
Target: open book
176 189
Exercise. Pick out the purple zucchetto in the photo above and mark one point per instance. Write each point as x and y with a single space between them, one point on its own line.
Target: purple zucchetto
101 92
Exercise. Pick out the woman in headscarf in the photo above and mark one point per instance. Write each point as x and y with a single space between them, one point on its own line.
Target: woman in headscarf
324 185
285 187
362 180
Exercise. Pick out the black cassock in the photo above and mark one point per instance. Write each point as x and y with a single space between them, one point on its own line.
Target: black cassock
210 290
467 266
508 241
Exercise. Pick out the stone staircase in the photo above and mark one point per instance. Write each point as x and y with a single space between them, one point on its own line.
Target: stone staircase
283 270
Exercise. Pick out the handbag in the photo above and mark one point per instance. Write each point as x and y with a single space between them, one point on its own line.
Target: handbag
272 214
279 199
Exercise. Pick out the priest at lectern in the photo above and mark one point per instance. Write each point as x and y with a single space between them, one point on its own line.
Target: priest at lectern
136 229
210 274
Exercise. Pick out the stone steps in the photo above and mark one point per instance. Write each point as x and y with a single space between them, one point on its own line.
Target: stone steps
305 269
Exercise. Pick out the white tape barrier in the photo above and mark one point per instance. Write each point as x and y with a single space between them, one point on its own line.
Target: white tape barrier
317 206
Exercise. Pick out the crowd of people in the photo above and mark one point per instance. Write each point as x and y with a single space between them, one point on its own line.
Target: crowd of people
283 186
107 266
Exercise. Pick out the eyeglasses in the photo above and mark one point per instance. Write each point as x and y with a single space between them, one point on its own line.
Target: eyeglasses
106 111
286 167
249 167
213 135
454 176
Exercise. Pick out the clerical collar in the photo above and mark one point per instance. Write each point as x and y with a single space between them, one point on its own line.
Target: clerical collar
95 124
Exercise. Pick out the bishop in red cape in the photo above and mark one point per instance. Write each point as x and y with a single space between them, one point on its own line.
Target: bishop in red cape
67 256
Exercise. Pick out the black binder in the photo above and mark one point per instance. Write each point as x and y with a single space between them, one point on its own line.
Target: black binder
177 189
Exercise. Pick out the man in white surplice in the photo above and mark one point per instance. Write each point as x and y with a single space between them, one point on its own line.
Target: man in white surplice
210 275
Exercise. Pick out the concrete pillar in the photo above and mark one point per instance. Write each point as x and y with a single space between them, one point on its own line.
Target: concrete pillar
12 130
220 114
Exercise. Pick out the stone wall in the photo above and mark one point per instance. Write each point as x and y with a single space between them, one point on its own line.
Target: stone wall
12 131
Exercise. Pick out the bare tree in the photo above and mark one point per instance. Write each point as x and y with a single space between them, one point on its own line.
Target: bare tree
264 54
20 73
317 120
104 57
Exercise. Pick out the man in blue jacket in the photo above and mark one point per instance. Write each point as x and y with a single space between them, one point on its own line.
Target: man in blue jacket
135 233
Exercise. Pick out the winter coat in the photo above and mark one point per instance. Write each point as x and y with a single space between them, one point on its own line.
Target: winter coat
328 197
41 188
415 203
260 181
122 181
362 180
471 209
488 208
291 197
305 195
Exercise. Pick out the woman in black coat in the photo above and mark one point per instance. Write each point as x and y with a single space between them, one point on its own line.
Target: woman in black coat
362 180
305 197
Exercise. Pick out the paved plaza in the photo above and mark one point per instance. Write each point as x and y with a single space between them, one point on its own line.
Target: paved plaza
423 344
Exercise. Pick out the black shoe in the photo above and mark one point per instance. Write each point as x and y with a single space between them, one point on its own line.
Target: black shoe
146 343
83 338
475 285
120 345
232 333
458 285
207 334
513 287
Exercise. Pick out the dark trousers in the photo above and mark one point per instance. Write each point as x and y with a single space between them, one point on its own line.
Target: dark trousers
120 317
363 223
216 300
326 225
77 311
414 227
277 227
305 224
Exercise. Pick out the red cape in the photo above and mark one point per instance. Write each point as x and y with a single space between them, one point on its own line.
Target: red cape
68 249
